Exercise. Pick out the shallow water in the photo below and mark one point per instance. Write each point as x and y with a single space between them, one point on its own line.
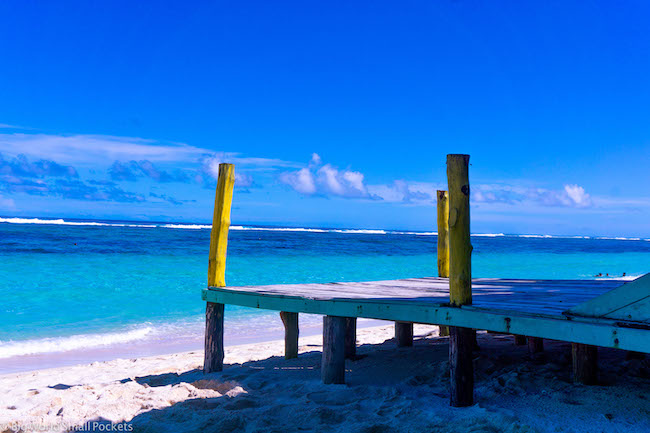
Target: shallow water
74 285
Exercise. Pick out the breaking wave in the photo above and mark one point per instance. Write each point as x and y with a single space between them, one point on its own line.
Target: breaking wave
188 226
63 222
64 344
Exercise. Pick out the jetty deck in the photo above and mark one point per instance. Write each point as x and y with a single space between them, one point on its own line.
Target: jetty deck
587 313
549 309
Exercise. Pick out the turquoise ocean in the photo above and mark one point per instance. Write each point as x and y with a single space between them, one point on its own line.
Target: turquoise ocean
74 291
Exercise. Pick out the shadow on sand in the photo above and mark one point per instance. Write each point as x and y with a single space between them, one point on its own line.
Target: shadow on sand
388 390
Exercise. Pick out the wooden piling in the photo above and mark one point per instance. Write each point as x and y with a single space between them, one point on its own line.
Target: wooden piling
585 363
213 358
333 360
535 346
461 340
404 334
443 243
291 331
461 366
520 340
350 337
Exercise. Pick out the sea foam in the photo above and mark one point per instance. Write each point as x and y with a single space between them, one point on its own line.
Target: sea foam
279 229
64 344
189 226
186 226
63 222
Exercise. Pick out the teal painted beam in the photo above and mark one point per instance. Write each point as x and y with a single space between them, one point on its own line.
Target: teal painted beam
592 331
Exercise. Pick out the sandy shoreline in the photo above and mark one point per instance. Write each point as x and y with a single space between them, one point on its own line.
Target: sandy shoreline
163 344
388 389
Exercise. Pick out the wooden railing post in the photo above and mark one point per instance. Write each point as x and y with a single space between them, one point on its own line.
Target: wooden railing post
213 358
443 243
461 340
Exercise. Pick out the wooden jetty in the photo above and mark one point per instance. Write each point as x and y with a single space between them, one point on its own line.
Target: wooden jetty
587 313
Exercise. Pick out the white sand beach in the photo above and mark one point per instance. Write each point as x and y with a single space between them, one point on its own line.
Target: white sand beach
388 390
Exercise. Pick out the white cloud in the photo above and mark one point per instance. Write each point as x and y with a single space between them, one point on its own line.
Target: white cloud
405 192
211 165
243 180
568 196
577 195
425 192
104 149
84 149
315 159
96 151
355 180
326 180
302 181
211 168
237 159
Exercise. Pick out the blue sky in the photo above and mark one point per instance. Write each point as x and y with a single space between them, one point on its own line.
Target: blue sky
335 113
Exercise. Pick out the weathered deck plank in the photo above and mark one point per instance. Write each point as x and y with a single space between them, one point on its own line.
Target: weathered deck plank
519 295
526 307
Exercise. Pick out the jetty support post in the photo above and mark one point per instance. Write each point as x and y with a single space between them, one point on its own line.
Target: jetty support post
535 346
291 331
443 243
213 358
404 334
520 340
585 363
333 359
350 338
461 340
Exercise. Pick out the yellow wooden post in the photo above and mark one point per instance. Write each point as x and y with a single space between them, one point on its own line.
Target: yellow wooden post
460 246
443 234
461 340
443 243
213 360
